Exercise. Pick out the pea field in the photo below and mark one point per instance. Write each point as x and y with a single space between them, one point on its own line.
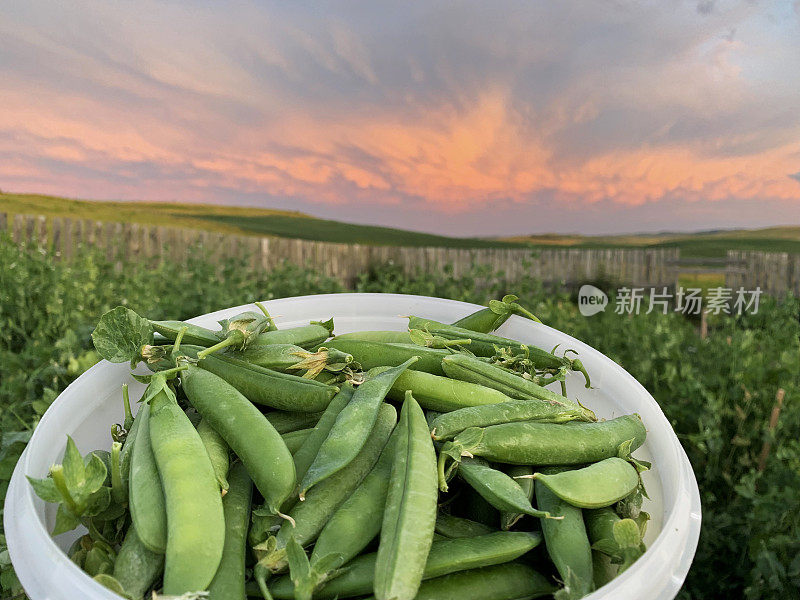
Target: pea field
729 394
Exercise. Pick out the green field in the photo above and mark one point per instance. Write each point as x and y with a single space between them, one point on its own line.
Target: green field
704 244
718 391
282 223
234 219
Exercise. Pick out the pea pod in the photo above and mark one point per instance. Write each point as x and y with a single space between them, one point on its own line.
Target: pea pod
529 443
441 393
567 543
351 428
497 488
354 525
303 455
145 492
248 432
509 518
490 318
306 336
218 452
469 368
376 354
600 484
310 448
289 358
195 521
136 568
457 527
267 387
410 514
295 440
310 516
510 581
228 582
194 334
618 539
288 421
483 344
445 557
448 425
382 337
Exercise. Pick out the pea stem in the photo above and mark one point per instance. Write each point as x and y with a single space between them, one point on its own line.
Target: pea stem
57 474
126 405
178 339
228 341
118 491
261 573
271 326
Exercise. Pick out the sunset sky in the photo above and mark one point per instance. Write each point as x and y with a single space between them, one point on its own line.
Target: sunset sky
467 118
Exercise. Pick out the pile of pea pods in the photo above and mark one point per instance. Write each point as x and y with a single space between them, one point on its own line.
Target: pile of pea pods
439 463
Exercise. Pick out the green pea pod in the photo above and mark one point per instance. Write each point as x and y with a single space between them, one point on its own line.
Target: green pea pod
248 432
509 518
456 527
288 421
410 514
351 428
354 525
267 387
289 358
308 451
497 488
127 450
483 344
306 336
501 582
469 368
228 582
295 439
145 492
311 515
195 521
382 337
450 424
303 455
377 354
600 484
443 394
445 557
615 538
136 567
567 543
529 443
194 334
488 319
218 452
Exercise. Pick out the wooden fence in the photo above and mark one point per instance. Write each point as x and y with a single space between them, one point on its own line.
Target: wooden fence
63 236
776 273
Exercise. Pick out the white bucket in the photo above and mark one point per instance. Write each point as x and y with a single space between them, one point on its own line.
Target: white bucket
88 407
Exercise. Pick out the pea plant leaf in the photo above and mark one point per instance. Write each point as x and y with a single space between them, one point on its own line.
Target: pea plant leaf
74 468
121 334
45 489
65 520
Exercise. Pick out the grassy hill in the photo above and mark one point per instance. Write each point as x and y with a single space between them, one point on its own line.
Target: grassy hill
284 223
234 219
703 244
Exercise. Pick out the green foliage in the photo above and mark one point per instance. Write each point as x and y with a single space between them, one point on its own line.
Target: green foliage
717 392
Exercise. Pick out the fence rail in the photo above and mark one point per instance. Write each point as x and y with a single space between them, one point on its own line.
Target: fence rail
345 262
